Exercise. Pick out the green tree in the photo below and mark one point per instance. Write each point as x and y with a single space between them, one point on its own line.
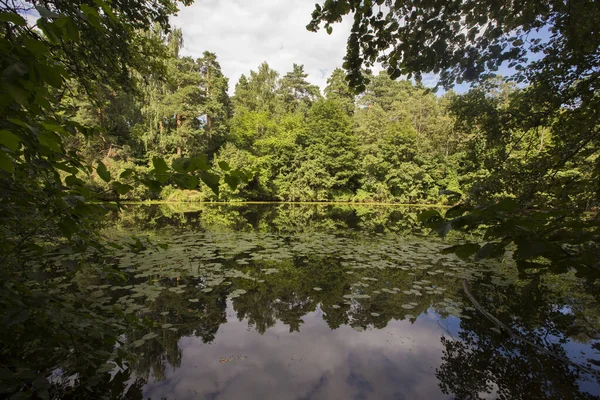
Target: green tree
188 111
216 105
338 89
111 113
297 94
258 92
326 168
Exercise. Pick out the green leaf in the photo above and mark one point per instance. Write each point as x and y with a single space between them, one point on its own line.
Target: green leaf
138 343
92 15
107 367
211 180
16 316
183 165
186 181
505 205
50 30
241 175
151 184
51 76
18 94
71 32
485 251
456 211
150 336
200 163
103 172
67 227
44 12
51 141
72 180
18 122
9 140
443 228
107 10
160 165
162 177
51 126
13 17
127 173
224 166
531 248
430 216
6 163
463 251
67 168
37 47
232 181
121 188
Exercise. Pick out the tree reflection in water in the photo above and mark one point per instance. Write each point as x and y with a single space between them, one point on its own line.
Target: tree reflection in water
281 271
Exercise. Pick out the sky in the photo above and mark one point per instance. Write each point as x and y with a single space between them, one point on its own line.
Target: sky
245 33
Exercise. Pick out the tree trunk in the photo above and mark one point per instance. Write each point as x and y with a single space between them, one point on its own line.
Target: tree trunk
208 118
178 126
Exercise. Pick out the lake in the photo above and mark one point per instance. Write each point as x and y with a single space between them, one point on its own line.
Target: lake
305 301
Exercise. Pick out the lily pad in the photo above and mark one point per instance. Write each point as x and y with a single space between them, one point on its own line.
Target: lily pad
149 336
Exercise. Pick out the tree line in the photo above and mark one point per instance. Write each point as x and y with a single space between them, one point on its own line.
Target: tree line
394 141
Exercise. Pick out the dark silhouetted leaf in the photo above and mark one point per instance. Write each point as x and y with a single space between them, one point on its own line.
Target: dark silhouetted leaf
103 172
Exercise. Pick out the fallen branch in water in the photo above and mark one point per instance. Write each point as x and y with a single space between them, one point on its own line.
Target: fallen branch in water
520 338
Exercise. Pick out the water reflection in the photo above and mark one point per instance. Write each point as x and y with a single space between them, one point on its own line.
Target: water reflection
325 302
314 363
271 218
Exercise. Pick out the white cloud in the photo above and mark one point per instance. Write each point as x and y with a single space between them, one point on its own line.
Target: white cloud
398 361
245 33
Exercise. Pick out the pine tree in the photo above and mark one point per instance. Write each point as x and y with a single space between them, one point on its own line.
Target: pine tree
297 94
216 105
337 89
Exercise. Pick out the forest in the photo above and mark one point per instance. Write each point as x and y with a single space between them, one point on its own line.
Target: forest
396 141
99 108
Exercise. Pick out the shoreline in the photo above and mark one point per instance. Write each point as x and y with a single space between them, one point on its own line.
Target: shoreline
346 203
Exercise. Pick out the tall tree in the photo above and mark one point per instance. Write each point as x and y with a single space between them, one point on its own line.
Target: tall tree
216 105
258 92
296 92
327 166
337 89
188 111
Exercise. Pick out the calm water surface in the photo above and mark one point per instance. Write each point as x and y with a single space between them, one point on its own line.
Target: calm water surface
340 302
